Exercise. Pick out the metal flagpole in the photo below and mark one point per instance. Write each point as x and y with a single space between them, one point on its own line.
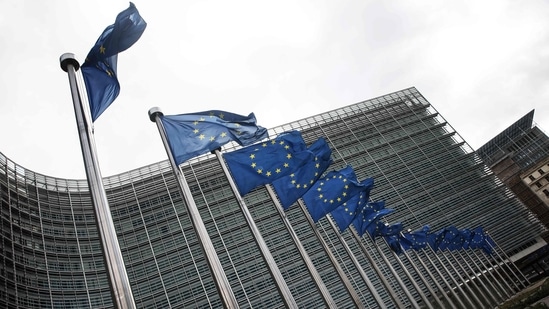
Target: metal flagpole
373 290
439 287
458 286
267 256
465 283
418 272
339 270
119 282
491 288
510 262
326 296
443 278
384 280
412 280
395 274
505 264
501 297
491 274
474 273
496 270
220 279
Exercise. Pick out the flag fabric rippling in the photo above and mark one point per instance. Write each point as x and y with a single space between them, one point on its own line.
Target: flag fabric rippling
348 211
291 187
99 68
328 193
415 240
370 214
265 162
190 135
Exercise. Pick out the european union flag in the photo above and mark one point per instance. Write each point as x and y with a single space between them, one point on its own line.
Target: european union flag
382 229
331 191
480 240
290 188
467 236
394 242
415 240
435 239
190 135
346 213
450 239
99 69
370 214
265 162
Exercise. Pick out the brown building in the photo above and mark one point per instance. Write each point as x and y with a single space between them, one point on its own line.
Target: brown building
519 156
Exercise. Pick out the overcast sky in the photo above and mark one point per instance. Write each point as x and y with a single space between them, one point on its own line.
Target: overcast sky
482 64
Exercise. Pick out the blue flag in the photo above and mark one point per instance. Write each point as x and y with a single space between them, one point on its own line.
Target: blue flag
382 229
467 236
415 240
99 68
290 188
480 240
394 242
346 213
265 162
330 192
450 239
190 135
435 239
370 214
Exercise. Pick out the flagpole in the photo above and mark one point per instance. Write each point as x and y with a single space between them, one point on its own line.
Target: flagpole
418 272
381 276
267 256
442 277
501 297
474 275
508 293
486 288
326 296
508 259
491 274
333 260
121 292
465 284
429 288
439 287
220 279
458 286
373 290
407 273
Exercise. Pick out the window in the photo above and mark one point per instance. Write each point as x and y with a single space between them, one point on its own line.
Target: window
532 177
546 192
541 172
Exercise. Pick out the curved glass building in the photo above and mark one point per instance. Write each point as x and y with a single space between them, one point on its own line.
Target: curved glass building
50 254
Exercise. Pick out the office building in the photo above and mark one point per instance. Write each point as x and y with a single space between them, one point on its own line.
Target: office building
51 255
519 156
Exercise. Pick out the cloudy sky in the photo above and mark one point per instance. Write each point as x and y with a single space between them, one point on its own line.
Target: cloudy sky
482 64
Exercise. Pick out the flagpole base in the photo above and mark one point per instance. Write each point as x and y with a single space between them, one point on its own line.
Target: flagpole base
153 112
66 59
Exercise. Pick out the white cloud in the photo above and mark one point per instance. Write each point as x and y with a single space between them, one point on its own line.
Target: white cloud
483 65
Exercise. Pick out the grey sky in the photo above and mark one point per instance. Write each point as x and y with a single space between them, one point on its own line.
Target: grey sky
482 64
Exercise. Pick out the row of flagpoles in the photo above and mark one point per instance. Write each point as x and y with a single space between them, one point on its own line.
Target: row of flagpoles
293 174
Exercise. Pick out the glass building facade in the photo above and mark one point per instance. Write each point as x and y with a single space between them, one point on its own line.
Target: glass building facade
51 257
519 156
